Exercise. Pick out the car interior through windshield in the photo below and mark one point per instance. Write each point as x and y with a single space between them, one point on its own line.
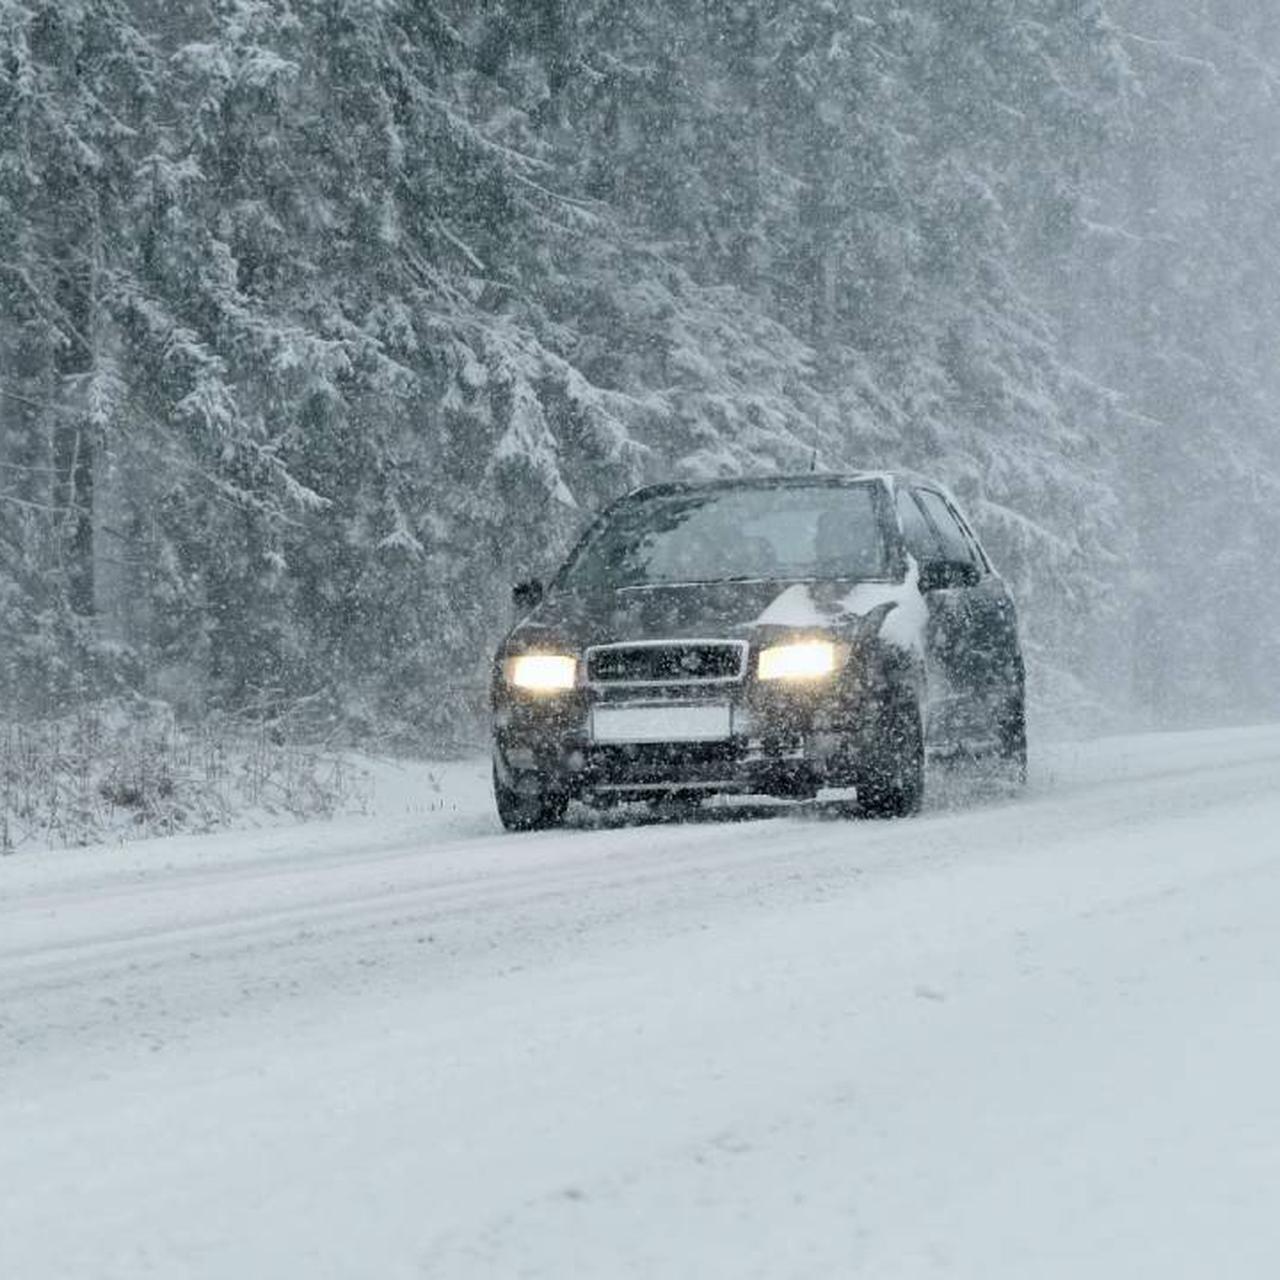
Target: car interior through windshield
717 536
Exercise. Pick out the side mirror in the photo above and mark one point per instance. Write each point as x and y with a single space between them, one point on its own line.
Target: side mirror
527 596
940 575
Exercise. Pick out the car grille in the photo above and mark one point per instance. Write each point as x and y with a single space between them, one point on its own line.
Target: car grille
667 662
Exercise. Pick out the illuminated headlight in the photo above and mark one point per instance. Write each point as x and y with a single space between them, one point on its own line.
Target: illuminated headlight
542 672
805 660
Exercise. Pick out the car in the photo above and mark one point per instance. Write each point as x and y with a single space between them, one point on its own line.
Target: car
781 637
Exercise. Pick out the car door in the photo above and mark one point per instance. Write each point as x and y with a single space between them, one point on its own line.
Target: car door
980 648
946 627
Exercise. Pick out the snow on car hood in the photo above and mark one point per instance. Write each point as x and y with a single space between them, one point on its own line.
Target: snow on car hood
833 605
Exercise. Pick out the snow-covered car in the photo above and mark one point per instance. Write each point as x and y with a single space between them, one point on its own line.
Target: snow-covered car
776 636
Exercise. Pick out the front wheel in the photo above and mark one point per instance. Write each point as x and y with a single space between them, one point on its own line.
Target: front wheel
534 810
892 783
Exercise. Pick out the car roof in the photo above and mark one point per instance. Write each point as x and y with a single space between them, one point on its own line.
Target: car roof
806 480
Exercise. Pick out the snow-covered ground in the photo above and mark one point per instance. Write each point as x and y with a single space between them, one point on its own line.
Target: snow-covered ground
1031 1038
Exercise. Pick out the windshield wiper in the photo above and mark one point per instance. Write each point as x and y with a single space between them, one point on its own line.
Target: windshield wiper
706 582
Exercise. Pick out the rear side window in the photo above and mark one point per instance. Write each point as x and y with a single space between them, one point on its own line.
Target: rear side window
955 544
920 538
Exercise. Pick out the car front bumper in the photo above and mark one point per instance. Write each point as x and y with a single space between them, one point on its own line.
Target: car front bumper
781 742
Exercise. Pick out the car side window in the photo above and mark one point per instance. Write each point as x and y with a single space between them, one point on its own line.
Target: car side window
921 541
979 555
955 544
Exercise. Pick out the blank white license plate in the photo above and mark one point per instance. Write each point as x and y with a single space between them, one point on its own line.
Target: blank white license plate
661 724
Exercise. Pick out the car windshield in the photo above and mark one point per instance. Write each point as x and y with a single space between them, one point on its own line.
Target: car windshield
714 535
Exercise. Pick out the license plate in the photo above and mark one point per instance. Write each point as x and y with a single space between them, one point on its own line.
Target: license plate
704 723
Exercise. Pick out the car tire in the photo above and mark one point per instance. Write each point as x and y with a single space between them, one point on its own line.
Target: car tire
892 784
528 811
1013 739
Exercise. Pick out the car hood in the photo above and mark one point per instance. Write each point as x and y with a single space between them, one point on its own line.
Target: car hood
728 610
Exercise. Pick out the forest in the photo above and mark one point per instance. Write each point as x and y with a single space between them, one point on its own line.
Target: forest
323 321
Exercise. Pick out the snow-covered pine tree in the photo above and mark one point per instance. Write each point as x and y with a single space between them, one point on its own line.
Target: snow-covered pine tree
322 322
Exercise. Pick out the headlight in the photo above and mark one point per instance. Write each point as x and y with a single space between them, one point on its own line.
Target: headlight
542 672
805 660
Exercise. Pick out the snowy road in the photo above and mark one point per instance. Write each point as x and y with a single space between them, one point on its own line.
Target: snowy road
1029 1039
